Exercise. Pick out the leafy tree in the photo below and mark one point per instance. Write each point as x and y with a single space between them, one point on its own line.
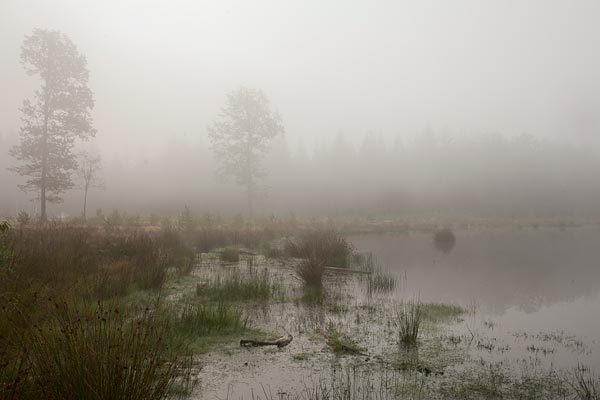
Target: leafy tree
57 116
241 136
89 166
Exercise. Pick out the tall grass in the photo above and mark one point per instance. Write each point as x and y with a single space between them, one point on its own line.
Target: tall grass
195 320
377 280
104 352
67 350
408 322
585 384
311 272
236 286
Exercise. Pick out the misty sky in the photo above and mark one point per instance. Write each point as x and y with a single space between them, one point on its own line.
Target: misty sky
161 69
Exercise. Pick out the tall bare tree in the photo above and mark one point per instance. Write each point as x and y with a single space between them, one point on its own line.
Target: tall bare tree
241 137
89 166
57 116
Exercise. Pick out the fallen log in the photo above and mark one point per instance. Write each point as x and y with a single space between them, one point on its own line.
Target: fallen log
347 270
281 342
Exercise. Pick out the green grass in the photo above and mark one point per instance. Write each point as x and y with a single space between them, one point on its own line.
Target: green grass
235 286
440 312
341 343
196 320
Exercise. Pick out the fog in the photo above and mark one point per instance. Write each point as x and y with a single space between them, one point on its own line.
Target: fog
474 107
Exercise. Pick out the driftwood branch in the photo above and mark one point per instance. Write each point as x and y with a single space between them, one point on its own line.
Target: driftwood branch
281 342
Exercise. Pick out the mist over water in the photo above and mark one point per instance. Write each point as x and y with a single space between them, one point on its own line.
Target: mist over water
430 107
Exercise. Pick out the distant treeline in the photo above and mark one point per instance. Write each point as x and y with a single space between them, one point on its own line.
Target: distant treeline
487 174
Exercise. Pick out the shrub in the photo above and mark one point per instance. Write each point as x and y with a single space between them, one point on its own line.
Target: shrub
328 247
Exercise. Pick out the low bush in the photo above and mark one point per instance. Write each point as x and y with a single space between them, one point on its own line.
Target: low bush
327 246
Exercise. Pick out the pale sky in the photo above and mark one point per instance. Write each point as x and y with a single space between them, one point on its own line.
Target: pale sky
162 68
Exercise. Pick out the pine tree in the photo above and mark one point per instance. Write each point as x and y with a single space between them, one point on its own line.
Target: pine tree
58 115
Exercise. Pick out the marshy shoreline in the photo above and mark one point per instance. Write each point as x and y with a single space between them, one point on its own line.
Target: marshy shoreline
160 314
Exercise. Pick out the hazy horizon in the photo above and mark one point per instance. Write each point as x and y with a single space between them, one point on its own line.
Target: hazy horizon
160 72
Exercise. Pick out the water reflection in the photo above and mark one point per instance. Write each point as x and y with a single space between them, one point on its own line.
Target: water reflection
500 269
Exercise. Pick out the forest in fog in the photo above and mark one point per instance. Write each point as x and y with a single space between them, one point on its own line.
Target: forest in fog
468 175
389 114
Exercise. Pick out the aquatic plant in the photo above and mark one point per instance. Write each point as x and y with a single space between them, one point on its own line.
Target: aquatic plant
194 320
236 286
408 322
585 384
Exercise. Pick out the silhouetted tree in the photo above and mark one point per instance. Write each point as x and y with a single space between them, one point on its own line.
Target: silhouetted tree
59 114
241 137
89 166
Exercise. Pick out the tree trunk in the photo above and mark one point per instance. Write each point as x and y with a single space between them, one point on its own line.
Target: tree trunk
85 201
250 198
43 217
43 183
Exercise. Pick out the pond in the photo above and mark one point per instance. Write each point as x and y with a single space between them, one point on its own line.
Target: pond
534 289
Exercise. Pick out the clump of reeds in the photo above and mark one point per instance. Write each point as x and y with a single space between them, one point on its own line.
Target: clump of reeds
408 322
103 353
585 384
319 249
194 320
236 286
377 279
311 271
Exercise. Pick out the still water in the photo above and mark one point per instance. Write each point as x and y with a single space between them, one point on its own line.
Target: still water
543 282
